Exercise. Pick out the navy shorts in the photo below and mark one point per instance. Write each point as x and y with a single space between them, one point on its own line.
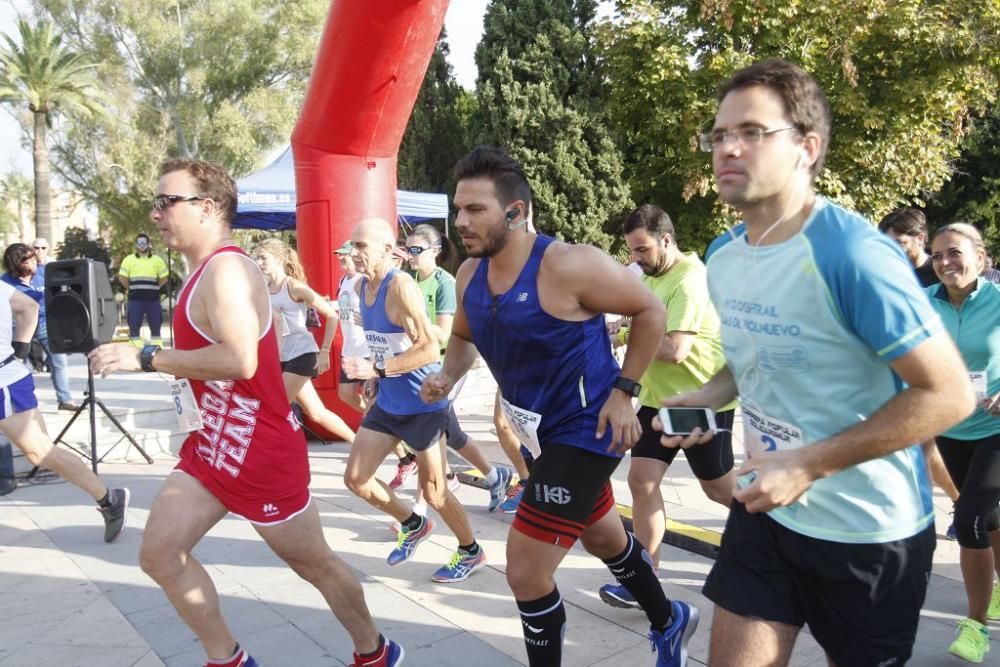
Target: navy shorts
709 461
18 397
455 437
418 431
304 365
861 601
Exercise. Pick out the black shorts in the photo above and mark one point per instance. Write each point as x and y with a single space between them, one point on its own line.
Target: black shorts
568 490
861 601
709 461
974 467
418 431
455 437
304 365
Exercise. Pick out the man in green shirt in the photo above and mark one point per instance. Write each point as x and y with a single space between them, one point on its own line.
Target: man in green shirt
690 354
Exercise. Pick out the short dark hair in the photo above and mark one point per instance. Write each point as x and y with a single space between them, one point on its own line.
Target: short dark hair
212 180
905 220
14 256
142 235
805 103
651 218
495 164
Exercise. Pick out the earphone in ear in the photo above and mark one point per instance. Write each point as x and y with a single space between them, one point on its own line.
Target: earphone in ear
801 161
511 214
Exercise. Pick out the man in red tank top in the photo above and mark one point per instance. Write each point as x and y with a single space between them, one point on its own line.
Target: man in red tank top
249 456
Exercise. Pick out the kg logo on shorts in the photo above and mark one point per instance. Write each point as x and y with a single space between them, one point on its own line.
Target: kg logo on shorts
552 494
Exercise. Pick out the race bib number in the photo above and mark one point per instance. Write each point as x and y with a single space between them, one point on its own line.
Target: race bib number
188 414
344 303
767 434
379 352
978 379
525 424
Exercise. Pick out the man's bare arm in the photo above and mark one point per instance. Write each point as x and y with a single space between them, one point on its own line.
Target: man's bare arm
25 312
405 307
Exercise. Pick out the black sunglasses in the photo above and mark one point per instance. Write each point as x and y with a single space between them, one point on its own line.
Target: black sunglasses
416 250
163 202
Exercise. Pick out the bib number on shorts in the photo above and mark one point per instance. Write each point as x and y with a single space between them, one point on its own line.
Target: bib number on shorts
525 425
978 379
188 414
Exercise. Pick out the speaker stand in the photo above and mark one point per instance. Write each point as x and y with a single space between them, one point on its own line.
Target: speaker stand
89 403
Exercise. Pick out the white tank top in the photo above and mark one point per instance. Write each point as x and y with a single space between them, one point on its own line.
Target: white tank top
295 338
354 334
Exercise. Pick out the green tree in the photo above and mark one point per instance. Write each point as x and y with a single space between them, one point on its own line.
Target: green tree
902 77
973 193
437 134
40 73
213 79
541 98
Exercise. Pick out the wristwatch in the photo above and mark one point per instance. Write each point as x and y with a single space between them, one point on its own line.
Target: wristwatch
630 387
379 366
146 357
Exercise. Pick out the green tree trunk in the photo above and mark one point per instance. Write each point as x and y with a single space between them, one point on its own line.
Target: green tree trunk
43 195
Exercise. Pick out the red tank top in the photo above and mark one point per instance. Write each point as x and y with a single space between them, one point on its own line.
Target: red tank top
251 446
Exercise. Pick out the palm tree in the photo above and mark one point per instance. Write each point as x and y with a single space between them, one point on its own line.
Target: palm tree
49 78
15 203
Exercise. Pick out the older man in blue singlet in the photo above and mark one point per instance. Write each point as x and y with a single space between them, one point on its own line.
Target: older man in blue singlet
534 308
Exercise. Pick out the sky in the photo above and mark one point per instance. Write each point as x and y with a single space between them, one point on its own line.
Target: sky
464 22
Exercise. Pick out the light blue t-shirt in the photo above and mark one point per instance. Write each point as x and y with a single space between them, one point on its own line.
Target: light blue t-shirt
809 326
976 331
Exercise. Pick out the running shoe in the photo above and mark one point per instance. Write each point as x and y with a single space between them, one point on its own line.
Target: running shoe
392 655
404 471
115 514
993 613
408 540
498 491
241 659
972 642
671 644
460 567
514 494
617 595
454 484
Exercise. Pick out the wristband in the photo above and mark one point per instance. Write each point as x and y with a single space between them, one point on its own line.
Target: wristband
21 349
146 357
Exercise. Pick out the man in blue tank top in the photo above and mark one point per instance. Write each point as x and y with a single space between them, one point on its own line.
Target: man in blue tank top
841 366
534 308
403 351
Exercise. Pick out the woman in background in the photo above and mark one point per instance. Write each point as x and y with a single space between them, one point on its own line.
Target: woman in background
301 358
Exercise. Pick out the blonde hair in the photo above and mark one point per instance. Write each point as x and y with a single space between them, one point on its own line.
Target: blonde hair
969 232
282 252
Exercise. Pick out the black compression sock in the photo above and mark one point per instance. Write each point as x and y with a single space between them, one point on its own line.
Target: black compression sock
543 622
378 649
106 500
412 522
633 568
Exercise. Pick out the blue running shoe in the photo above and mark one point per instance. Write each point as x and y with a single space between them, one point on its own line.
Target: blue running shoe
671 644
498 492
460 567
250 662
392 655
408 540
514 494
617 595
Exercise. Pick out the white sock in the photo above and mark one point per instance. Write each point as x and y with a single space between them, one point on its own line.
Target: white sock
420 509
491 477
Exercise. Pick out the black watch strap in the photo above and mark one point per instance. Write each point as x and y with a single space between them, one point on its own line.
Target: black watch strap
379 367
630 387
146 357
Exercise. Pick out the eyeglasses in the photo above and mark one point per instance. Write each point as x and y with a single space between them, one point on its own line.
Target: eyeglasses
744 136
416 250
163 202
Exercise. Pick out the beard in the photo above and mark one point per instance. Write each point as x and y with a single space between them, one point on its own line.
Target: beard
492 244
656 268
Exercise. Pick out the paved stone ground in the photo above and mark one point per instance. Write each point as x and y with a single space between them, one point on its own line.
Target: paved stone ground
68 599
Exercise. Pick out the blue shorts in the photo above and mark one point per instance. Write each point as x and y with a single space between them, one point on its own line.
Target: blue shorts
18 397
418 431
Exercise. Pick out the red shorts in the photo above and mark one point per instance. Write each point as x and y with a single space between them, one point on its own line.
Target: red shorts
256 507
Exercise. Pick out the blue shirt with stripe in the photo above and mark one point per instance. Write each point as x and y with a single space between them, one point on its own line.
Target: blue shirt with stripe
809 327
398 394
975 328
560 369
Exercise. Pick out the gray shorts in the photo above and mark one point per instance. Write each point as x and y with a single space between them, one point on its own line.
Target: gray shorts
418 431
455 437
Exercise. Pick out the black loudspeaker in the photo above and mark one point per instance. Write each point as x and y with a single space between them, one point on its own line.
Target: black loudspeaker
79 306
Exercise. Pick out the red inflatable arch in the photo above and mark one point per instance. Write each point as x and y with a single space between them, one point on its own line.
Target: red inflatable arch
371 63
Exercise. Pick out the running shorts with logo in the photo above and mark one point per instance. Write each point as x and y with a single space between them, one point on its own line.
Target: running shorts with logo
709 461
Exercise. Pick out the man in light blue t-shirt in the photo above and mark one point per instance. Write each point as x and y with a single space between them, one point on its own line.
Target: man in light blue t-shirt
840 365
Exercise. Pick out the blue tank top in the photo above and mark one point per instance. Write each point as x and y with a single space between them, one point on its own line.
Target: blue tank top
560 371
400 394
